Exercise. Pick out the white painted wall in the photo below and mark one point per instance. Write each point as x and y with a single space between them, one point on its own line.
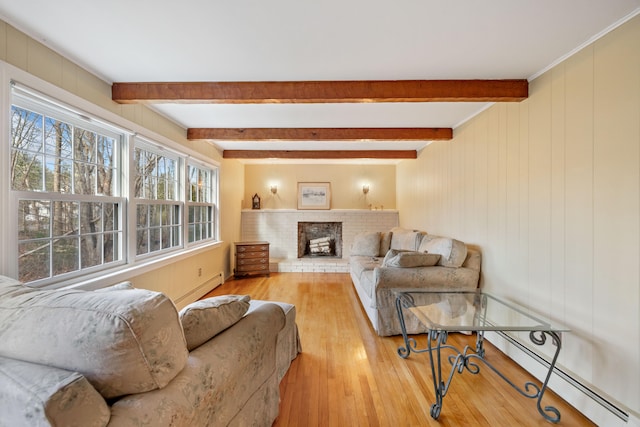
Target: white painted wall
549 189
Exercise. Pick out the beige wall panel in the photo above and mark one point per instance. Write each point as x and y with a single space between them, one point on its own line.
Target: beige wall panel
3 40
69 76
44 63
95 90
539 192
406 173
549 188
496 185
578 254
17 48
346 184
617 207
478 167
558 193
231 195
513 256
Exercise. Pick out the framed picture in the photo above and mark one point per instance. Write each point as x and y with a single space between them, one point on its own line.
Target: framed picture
314 195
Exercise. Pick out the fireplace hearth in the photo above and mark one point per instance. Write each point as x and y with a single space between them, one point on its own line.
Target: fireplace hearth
319 239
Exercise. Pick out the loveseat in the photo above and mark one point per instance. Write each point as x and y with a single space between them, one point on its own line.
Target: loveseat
401 258
121 356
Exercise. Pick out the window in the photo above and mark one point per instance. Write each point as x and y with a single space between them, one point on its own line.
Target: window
64 174
158 210
201 203
86 195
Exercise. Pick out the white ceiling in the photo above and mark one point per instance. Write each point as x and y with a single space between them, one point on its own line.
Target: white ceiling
296 40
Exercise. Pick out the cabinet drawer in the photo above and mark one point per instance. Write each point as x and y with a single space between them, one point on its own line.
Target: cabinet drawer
252 248
251 255
253 261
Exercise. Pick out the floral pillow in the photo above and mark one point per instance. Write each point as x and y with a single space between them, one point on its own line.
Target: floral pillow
366 244
204 319
409 259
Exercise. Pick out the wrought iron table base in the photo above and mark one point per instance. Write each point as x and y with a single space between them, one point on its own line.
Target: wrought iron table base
466 359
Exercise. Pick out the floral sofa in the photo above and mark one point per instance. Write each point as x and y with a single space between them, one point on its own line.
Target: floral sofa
400 258
126 357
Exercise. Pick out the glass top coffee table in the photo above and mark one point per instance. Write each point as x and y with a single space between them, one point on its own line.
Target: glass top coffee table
442 312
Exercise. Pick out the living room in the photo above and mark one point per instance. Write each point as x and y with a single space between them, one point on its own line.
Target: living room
547 188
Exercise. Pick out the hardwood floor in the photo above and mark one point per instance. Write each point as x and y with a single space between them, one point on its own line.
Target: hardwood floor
347 375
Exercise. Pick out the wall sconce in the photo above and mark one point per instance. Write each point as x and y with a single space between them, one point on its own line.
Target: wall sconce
274 189
365 188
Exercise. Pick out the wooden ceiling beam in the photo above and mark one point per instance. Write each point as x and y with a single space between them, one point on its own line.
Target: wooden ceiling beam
344 91
313 154
320 134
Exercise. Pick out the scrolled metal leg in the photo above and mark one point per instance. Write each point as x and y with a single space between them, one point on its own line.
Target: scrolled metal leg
439 387
409 343
557 341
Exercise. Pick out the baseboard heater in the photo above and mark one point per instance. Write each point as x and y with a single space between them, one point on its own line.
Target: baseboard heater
624 416
202 289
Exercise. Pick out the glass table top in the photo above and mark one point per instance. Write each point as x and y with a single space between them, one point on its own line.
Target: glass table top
471 311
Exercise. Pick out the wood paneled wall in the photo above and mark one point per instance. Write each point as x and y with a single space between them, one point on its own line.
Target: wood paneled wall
550 190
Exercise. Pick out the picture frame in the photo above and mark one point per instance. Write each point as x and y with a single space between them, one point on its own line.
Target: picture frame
314 195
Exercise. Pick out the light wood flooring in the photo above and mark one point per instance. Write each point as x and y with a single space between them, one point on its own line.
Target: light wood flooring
347 375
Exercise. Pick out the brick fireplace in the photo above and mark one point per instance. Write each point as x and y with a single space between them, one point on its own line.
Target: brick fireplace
319 239
280 228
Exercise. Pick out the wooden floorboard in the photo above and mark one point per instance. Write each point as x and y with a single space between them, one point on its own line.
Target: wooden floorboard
347 375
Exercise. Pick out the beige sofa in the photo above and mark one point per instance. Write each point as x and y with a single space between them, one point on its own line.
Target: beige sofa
126 357
400 258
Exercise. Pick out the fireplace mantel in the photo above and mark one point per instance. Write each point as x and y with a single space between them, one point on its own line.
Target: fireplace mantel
280 228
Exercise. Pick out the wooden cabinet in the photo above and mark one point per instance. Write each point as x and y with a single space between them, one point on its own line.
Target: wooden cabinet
251 258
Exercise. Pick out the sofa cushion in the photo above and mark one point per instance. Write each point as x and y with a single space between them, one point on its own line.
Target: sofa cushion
204 319
453 252
38 395
366 244
122 341
385 242
405 240
409 259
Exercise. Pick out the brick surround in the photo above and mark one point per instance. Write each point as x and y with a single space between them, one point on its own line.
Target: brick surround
279 227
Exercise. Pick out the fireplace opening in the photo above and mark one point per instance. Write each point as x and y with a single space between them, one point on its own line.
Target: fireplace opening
320 239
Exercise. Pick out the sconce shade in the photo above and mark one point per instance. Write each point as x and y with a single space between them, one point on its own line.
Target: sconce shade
365 188
274 189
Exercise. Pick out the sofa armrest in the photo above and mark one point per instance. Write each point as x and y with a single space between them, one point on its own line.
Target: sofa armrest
38 395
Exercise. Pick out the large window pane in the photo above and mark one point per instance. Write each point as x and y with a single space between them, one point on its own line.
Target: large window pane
55 156
65 255
33 260
34 219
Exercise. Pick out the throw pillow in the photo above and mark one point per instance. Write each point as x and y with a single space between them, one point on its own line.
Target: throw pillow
406 240
366 244
385 242
453 252
409 259
204 319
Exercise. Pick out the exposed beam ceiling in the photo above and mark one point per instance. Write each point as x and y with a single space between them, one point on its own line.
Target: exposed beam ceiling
380 66
320 134
307 92
322 91
315 154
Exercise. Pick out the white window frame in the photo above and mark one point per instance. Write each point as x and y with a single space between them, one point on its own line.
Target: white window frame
132 265
212 203
177 201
